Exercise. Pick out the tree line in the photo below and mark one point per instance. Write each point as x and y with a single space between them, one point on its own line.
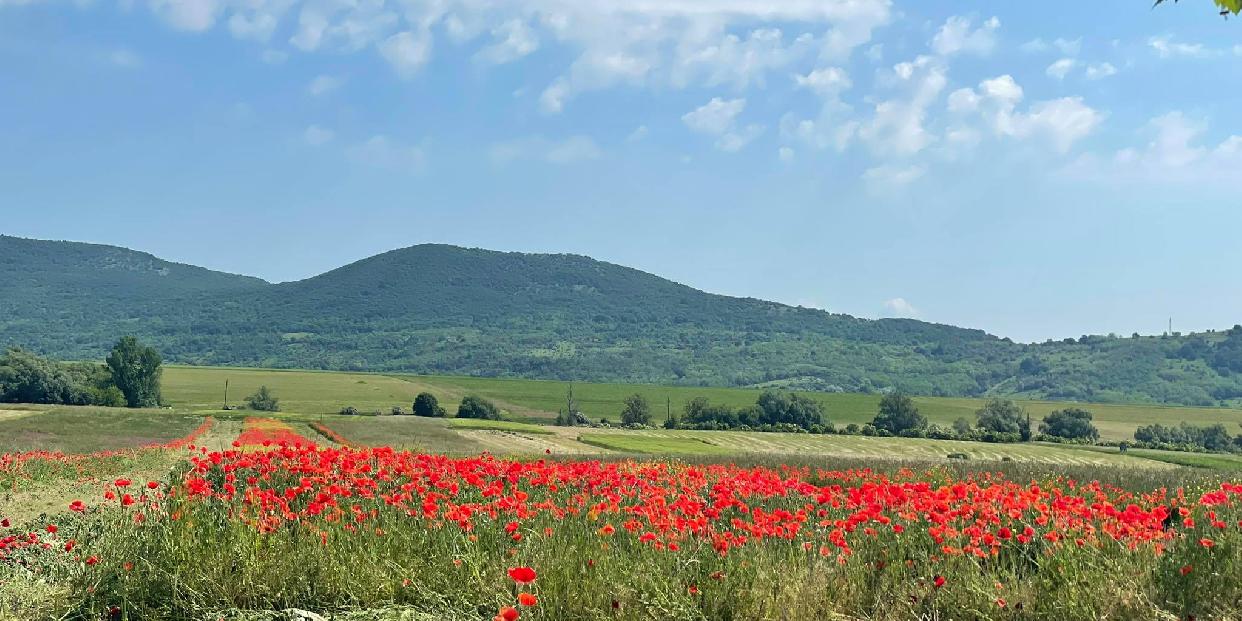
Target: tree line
130 377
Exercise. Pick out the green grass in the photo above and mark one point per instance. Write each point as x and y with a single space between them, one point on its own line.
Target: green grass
536 401
496 425
651 445
89 430
544 398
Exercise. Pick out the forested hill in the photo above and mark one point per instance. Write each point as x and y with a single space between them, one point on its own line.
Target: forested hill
445 309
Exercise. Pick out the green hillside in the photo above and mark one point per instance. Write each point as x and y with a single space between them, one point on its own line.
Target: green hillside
436 309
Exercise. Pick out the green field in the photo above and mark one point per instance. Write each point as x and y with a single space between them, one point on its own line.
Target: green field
312 392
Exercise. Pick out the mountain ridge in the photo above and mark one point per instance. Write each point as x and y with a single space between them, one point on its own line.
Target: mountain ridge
438 308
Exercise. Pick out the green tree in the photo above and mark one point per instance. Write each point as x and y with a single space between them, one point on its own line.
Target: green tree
777 407
962 427
426 404
636 411
897 413
263 400
1003 416
136 371
473 406
1070 423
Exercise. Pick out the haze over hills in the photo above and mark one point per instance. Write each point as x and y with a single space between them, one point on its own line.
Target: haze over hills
446 309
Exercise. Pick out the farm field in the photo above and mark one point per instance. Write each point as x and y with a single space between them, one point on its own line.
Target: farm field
703 525
651 524
314 392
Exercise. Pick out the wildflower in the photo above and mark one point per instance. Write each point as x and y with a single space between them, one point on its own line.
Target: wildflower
528 600
77 506
522 575
1186 569
1207 543
938 581
508 613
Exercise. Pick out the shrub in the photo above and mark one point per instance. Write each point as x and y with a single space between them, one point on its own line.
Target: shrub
425 404
263 400
398 410
473 406
636 411
898 415
1000 418
349 411
1071 424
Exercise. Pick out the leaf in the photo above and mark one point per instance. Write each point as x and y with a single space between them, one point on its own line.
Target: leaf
1233 6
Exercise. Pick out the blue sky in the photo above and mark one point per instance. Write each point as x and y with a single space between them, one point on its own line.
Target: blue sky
1036 170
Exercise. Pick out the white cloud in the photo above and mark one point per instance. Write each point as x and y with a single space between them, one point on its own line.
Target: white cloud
316 135
675 44
897 126
786 154
406 52
1166 47
514 39
571 150
1099 71
257 26
192 15
899 307
957 36
385 153
324 84
714 117
719 117
1066 47
1061 68
638 134
1176 152
1062 122
825 82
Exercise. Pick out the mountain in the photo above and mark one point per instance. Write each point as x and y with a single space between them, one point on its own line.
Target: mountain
445 309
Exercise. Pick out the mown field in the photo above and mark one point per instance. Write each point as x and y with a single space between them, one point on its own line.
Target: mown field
312 392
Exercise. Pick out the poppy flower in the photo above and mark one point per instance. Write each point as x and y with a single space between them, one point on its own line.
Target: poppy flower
526 599
522 575
938 581
1207 543
1186 569
508 613
4 523
77 506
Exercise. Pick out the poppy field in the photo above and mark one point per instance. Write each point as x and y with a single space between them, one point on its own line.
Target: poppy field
272 521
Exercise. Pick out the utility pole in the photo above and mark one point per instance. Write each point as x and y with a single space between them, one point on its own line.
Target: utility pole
226 394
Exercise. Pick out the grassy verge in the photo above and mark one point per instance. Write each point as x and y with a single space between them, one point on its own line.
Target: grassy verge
496 425
649 445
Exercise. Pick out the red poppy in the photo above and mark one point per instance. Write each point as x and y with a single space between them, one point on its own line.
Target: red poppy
1186 569
509 613
77 506
1207 543
938 581
526 599
522 575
